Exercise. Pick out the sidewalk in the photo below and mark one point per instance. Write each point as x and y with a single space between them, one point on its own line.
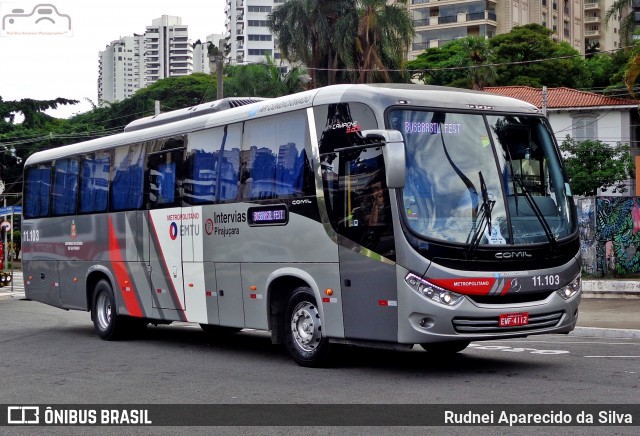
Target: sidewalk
609 308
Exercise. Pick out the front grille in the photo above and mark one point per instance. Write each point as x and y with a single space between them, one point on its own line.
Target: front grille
491 324
510 298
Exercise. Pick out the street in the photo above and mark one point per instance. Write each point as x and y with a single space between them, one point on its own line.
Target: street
51 355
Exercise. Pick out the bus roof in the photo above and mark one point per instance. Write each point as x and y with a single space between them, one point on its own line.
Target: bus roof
377 95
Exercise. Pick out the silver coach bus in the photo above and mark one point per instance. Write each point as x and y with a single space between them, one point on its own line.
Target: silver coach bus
375 215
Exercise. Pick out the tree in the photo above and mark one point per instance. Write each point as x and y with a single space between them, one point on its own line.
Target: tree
305 30
592 164
262 80
514 51
623 9
384 35
440 66
344 40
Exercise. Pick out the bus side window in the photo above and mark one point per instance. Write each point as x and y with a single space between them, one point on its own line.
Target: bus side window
65 187
164 172
127 178
94 182
37 189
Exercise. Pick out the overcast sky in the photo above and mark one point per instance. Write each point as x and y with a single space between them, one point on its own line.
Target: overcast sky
47 65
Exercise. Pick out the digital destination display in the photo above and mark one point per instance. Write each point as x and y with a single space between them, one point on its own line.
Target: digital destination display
268 215
432 128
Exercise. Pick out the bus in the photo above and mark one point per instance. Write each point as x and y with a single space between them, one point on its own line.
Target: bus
374 215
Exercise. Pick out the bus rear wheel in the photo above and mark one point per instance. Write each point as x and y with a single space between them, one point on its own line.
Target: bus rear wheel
446 347
303 330
107 323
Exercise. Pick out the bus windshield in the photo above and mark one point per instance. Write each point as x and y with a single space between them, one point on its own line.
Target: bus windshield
480 180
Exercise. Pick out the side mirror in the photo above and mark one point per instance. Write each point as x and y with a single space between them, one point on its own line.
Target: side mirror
393 153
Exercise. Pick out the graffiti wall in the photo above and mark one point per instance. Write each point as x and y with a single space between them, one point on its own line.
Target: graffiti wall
610 235
587 226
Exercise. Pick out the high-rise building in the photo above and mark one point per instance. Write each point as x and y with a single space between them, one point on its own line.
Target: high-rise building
437 22
120 69
598 32
134 62
168 51
249 39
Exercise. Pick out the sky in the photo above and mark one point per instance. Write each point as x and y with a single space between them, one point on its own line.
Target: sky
47 64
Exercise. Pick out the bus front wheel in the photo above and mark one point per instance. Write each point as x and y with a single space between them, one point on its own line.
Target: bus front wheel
303 330
107 323
446 347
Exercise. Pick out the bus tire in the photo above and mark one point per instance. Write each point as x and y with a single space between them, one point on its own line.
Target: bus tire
302 327
106 322
446 347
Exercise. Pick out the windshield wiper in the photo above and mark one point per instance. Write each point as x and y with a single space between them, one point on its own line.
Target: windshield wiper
539 215
485 219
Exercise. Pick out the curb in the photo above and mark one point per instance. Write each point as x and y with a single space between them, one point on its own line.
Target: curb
605 333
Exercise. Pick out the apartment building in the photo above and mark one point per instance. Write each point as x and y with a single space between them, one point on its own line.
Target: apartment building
439 21
134 62
249 39
606 35
120 69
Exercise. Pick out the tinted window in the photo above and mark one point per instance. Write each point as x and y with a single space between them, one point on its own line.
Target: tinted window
165 172
127 177
273 157
213 165
65 187
37 189
94 182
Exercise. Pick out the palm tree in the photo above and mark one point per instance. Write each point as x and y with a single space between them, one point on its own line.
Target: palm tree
479 57
305 32
384 34
623 8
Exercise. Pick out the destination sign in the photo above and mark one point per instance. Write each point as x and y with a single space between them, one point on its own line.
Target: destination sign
268 215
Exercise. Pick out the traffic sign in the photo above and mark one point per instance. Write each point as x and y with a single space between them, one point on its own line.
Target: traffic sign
10 210
6 226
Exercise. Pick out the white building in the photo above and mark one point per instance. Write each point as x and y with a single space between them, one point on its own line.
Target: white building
249 39
134 62
120 69
168 51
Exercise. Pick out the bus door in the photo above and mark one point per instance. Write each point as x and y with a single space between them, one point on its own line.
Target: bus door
360 211
164 174
357 201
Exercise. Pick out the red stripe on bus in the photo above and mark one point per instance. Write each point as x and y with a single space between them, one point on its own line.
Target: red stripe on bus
122 276
166 268
507 286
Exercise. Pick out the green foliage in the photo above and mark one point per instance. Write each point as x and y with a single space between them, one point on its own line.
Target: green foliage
593 164
261 80
515 50
504 60
343 41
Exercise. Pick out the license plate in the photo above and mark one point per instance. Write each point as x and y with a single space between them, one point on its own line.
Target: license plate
514 319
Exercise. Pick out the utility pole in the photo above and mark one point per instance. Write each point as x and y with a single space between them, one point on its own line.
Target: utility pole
219 59
216 55
544 101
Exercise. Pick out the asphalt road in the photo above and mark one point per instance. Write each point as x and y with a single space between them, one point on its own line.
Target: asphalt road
48 355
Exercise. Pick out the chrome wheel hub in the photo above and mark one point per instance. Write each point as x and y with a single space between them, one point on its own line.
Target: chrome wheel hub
305 326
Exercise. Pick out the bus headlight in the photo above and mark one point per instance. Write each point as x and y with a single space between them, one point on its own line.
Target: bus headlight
571 289
433 292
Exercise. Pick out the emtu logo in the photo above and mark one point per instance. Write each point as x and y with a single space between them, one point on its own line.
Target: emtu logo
38 20
173 231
